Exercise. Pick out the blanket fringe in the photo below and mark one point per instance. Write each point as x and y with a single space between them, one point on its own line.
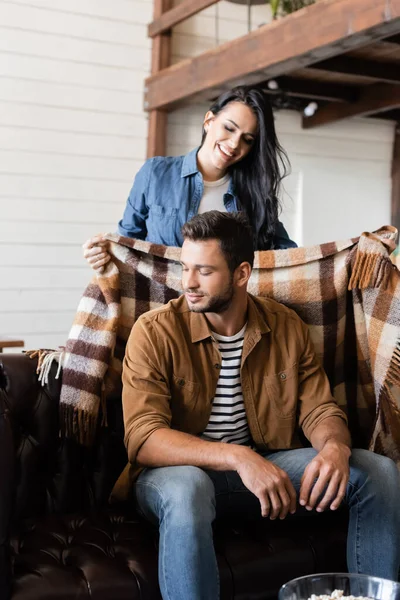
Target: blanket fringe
386 435
74 423
370 270
393 375
78 424
46 357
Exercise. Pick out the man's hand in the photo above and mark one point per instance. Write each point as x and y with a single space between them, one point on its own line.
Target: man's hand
328 471
269 483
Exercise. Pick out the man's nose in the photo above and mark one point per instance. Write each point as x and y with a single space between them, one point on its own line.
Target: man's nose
190 281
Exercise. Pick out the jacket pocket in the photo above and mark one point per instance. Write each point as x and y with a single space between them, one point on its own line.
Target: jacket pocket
163 224
183 391
163 211
282 391
184 410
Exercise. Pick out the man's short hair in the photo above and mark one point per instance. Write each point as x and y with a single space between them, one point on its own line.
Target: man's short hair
232 230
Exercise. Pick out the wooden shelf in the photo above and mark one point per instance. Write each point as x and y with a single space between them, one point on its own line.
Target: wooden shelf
347 44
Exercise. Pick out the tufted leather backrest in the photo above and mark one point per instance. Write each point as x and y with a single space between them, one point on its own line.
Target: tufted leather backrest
55 475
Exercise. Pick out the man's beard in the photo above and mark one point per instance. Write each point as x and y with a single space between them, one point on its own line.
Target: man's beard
216 304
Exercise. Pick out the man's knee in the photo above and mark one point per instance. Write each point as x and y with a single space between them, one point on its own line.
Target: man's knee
185 492
379 469
188 485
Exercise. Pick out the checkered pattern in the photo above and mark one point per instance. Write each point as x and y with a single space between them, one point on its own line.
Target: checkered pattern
347 292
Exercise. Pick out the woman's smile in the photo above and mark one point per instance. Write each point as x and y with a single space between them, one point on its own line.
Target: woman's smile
225 152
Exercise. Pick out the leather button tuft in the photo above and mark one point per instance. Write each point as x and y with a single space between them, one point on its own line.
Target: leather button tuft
282 376
181 382
217 366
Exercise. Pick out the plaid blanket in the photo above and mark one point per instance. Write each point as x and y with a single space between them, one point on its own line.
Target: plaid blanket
347 292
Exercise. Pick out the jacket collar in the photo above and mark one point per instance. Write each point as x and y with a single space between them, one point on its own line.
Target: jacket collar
199 327
189 165
256 323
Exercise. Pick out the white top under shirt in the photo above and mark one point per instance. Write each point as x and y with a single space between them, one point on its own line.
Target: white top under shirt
213 195
228 421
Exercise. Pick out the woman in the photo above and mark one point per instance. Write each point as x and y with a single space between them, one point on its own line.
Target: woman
239 166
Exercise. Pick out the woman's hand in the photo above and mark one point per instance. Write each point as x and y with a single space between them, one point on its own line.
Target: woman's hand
95 252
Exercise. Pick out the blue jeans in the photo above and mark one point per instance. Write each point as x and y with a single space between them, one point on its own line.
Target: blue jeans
184 501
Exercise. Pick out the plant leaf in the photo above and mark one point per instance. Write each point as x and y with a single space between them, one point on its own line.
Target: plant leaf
274 7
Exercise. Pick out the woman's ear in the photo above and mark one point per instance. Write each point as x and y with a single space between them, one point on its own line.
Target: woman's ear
207 119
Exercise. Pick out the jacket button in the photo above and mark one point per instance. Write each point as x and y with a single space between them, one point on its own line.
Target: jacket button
217 366
282 376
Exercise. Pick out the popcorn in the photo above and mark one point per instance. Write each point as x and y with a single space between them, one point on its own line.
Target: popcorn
337 595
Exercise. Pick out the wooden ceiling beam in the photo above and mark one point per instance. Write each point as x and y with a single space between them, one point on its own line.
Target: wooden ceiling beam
387 72
315 33
313 90
373 99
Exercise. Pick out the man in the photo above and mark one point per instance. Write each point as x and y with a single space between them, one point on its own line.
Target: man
216 384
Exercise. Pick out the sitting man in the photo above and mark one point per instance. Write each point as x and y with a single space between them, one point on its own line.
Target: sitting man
216 384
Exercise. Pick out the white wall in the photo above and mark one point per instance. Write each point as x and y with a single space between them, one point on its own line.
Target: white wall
342 175
73 134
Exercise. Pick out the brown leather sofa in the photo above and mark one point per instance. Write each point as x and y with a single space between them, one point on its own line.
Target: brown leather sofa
60 539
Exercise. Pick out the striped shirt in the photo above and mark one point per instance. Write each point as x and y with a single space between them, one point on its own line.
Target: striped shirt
228 421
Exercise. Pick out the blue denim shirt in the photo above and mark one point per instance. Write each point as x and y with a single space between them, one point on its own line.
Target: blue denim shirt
166 194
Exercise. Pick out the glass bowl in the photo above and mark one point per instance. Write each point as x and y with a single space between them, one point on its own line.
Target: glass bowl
353 584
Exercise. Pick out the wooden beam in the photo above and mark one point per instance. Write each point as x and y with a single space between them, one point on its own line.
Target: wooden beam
176 15
160 59
157 133
396 179
314 33
387 72
314 90
373 99
161 49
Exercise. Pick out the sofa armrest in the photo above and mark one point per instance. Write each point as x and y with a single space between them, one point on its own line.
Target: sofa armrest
7 461
54 474
33 415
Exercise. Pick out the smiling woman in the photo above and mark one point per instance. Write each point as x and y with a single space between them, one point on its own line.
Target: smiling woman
238 167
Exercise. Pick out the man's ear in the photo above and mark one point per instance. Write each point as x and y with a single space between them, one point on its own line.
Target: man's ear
242 274
209 117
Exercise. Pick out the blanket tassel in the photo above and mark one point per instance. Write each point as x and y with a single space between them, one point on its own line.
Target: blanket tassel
370 270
